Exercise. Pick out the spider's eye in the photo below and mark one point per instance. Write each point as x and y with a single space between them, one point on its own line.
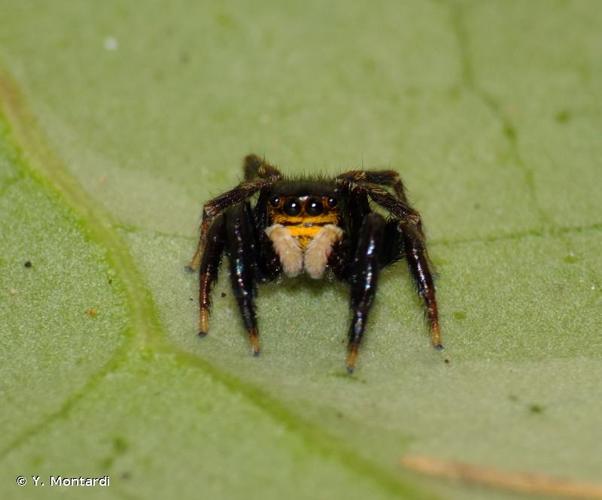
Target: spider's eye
292 207
313 206
275 201
332 202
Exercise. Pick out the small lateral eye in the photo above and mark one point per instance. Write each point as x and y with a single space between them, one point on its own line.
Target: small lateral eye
292 207
275 201
313 206
332 202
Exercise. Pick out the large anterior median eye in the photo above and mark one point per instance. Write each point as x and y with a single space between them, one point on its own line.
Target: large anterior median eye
313 206
292 207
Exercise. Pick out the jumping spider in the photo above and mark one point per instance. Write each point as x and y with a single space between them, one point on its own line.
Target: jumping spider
312 225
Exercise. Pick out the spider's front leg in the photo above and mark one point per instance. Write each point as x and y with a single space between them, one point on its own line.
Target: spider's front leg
241 247
364 277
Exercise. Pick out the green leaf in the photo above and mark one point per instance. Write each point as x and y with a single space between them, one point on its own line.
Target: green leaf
119 122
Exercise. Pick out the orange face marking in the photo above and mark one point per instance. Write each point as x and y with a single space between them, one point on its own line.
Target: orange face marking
299 231
304 220
304 234
302 226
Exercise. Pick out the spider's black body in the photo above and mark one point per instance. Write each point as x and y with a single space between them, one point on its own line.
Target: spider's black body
314 226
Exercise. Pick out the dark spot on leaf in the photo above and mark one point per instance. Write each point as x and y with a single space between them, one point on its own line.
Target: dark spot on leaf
120 445
535 408
563 116
28 264
510 132
446 361
225 21
92 312
459 315
223 294
126 475
513 397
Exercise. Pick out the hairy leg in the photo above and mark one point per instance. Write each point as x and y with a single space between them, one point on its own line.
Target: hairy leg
217 205
208 271
356 209
254 167
242 254
410 228
388 178
365 270
420 269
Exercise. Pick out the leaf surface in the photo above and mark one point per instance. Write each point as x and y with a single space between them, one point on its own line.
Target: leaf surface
119 122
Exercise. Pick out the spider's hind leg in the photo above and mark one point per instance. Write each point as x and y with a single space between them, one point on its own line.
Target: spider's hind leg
217 205
389 178
420 269
414 245
241 248
365 269
254 167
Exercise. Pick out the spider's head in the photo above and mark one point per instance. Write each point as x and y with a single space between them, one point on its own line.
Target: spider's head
303 203
303 224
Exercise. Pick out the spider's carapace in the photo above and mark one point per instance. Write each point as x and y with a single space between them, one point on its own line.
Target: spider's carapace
313 226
